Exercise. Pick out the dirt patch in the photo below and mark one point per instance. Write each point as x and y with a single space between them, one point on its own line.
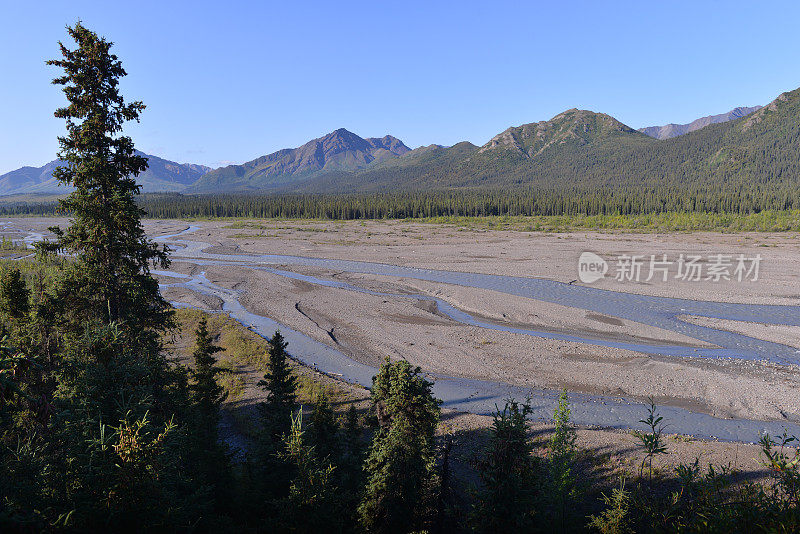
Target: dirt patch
191 298
605 319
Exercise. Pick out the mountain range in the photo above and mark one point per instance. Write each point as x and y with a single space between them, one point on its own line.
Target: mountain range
339 151
584 149
161 176
574 148
674 130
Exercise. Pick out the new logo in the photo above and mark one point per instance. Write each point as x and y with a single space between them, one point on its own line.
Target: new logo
591 267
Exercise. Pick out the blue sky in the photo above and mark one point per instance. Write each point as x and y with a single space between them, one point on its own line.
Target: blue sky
228 81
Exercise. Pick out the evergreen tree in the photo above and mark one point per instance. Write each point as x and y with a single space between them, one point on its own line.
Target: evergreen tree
281 385
207 397
350 474
352 434
99 326
107 375
400 466
14 293
110 277
269 468
312 504
507 500
445 501
562 480
323 430
207 394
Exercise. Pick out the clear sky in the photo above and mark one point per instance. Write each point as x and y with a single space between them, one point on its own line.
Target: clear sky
227 81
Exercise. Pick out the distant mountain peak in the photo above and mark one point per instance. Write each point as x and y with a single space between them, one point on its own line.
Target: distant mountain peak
674 130
338 151
574 125
160 175
340 133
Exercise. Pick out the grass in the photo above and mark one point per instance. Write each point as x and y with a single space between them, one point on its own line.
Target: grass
249 236
309 390
233 384
246 225
244 348
766 221
240 345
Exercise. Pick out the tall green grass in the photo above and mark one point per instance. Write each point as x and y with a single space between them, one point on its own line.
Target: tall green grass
765 221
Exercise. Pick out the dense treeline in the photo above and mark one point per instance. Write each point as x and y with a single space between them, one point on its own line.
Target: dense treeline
466 203
475 203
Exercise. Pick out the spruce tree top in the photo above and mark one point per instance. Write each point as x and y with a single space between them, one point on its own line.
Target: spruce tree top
105 233
97 159
279 379
400 391
208 394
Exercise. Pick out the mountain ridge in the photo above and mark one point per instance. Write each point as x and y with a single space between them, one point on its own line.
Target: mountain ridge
162 175
592 150
573 125
338 151
671 130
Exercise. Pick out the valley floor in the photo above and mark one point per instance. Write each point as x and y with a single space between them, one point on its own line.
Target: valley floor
387 318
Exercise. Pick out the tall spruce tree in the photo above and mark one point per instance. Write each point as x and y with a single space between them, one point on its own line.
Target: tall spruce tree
110 279
281 385
400 466
109 366
207 394
207 397
270 469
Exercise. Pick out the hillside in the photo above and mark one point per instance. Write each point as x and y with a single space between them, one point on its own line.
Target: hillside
575 126
161 175
516 156
339 151
592 150
674 130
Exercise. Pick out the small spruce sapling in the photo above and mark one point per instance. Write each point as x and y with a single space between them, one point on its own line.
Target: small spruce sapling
651 442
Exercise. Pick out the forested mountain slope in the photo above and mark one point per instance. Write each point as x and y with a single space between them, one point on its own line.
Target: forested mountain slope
581 148
339 151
